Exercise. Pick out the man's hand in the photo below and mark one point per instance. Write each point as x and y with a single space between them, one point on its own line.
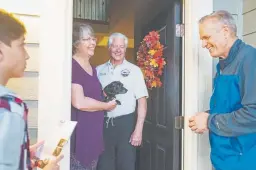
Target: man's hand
54 164
198 123
136 138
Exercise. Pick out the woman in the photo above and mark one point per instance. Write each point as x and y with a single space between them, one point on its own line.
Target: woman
87 108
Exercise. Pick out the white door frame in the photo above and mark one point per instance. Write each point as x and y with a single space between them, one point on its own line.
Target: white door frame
55 74
56 21
197 85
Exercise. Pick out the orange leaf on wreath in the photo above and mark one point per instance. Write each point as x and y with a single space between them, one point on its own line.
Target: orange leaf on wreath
161 62
153 63
148 73
158 54
154 83
152 52
159 83
160 72
157 46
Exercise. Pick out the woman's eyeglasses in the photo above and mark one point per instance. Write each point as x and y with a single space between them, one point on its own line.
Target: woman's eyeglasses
89 39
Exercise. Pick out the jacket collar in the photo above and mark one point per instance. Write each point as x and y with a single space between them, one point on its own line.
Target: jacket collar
232 54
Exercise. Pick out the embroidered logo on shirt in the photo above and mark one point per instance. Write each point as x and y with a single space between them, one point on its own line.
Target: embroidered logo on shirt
125 72
102 74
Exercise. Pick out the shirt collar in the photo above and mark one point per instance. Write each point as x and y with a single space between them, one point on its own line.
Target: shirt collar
124 63
232 54
5 91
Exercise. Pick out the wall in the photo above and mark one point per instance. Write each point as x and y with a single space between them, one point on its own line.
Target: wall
236 9
143 18
122 17
249 25
30 7
27 86
121 20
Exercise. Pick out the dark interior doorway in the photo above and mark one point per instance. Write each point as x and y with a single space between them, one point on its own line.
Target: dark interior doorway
161 148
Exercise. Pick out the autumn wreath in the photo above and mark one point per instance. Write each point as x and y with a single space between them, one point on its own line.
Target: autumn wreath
150 59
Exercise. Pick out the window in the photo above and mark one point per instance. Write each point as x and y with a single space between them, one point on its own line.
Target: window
96 10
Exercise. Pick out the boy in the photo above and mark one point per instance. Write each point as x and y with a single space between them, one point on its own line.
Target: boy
15 152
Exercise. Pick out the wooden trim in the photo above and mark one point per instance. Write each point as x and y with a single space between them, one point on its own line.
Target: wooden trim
22 14
55 69
90 21
197 85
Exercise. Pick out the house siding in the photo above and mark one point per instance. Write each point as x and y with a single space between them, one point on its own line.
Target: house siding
249 26
27 86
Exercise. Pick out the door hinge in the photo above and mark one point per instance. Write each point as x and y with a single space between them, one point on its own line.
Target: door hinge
180 30
179 122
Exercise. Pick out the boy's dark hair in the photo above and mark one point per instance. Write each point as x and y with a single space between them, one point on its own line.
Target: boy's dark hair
11 28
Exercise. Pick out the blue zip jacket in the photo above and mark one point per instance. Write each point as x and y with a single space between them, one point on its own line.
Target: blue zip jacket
232 111
244 119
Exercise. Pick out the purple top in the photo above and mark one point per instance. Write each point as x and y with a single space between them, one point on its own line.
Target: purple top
87 140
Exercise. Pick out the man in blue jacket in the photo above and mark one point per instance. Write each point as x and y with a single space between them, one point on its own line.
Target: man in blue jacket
231 120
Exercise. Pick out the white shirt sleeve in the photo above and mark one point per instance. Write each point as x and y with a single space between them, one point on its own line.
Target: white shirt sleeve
140 88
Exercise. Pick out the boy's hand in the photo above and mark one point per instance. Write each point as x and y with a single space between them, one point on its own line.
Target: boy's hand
33 148
54 164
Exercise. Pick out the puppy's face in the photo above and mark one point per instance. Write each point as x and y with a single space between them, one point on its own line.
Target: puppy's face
115 88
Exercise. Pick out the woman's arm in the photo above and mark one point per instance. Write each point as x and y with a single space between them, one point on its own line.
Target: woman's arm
84 103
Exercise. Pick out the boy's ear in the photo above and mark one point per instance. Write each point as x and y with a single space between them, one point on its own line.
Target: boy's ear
1 50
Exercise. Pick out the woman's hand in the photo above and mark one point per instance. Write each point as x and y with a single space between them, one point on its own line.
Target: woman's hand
110 105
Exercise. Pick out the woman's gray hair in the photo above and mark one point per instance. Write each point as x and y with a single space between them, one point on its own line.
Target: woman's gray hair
224 17
79 31
117 35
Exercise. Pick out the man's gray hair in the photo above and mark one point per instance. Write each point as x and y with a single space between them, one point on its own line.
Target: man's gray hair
224 17
79 31
117 35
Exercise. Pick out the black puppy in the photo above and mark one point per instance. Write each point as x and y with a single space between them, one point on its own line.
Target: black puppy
112 89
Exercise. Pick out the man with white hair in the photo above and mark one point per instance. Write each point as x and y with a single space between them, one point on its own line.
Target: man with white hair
122 133
231 120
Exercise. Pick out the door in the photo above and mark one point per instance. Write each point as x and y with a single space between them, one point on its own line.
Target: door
161 149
